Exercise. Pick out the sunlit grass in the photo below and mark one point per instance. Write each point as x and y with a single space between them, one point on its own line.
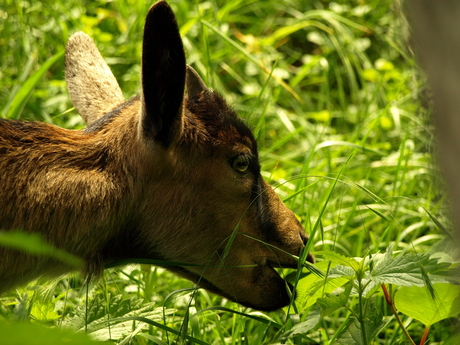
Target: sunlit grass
334 98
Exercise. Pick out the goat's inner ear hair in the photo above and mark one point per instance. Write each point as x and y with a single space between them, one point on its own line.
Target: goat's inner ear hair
163 75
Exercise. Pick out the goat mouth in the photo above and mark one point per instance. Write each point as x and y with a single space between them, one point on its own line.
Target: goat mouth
292 264
274 264
281 294
275 291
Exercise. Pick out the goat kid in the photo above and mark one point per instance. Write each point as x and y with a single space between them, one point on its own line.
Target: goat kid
163 176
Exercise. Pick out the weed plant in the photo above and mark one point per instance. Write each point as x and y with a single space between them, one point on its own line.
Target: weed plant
341 113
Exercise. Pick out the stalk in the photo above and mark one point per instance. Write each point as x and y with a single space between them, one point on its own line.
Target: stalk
391 303
361 313
425 335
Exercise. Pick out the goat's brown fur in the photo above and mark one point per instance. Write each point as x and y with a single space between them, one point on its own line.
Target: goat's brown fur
151 178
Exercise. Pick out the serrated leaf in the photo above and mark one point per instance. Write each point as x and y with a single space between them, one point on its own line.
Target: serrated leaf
404 270
44 312
418 303
157 324
304 327
340 259
401 272
342 271
95 319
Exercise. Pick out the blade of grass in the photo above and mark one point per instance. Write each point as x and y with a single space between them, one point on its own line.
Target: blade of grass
13 110
251 58
34 244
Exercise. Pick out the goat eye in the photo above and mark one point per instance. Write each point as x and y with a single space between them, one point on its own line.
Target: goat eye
241 163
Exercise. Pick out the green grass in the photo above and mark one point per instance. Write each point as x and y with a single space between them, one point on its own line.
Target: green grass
339 109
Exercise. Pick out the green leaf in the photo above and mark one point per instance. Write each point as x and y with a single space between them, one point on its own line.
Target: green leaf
417 302
405 269
303 327
331 303
123 320
44 312
94 318
33 243
312 287
342 271
330 143
402 270
33 334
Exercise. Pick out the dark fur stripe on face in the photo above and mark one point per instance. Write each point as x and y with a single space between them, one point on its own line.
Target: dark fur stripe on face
216 117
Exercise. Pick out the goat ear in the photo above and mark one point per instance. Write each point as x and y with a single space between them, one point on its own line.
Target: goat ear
195 85
92 87
163 76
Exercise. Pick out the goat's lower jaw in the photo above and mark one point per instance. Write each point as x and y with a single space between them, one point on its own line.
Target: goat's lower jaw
282 300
